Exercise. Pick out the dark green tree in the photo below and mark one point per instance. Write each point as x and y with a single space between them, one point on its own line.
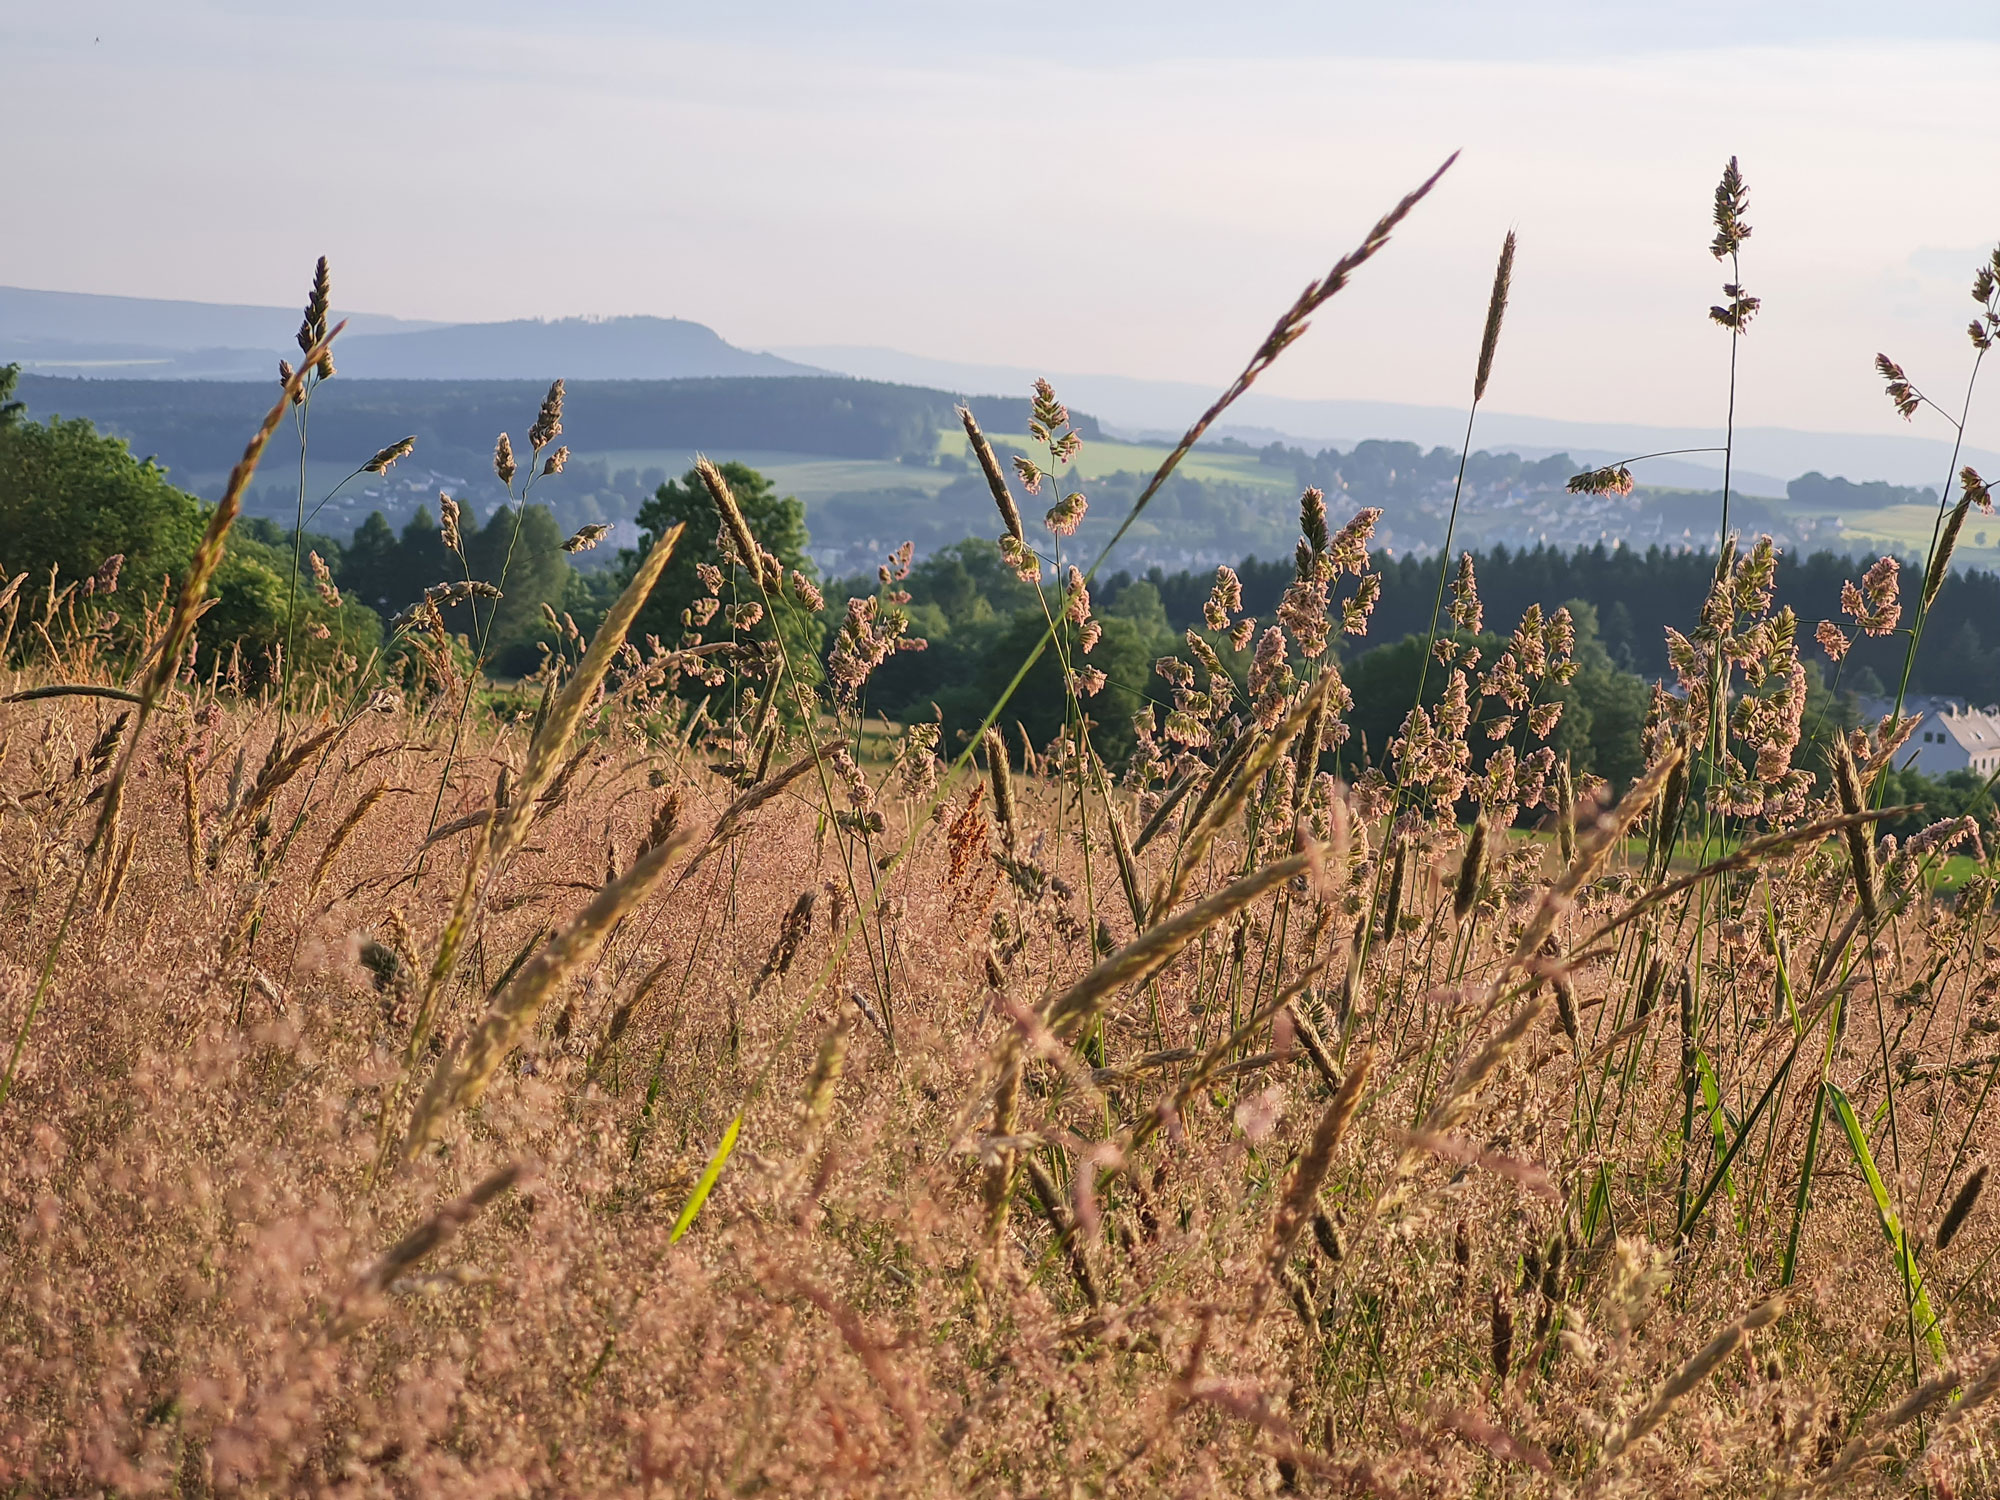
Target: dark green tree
531 569
11 411
369 566
252 587
1604 709
1040 704
779 524
70 497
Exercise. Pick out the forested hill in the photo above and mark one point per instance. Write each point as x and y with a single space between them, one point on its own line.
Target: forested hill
1639 594
196 427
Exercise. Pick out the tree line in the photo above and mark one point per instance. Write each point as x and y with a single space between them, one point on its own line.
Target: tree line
73 498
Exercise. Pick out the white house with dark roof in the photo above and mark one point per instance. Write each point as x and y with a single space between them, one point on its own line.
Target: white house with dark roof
1956 739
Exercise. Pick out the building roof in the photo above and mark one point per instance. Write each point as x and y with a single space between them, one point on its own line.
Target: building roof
1975 729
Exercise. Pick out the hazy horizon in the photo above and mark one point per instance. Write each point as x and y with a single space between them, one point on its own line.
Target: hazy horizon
1137 194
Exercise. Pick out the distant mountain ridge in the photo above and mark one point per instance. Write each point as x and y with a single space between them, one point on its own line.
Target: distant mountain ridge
632 348
76 333
125 338
89 318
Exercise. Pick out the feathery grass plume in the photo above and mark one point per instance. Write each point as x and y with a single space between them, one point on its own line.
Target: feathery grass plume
1860 844
1976 489
1565 814
1736 313
448 532
1500 1336
998 768
314 341
1496 309
1226 767
503 459
385 459
1611 480
277 772
498 835
1301 1198
996 479
1029 763
1961 1208
1290 327
587 537
1305 752
1941 556
1066 1013
1128 867
566 710
548 421
323 584
1732 201
1392 899
439 1230
337 841
1173 797
1682 1381
748 551
10 608
998 1186
1874 1436
1905 397
1981 1389
1985 328
463 1073
191 814
792 932
1604 835
1471 871
1672 796
114 874
665 820
188 605
1205 826
1312 1043
1062 1224
1461 1090
822 1084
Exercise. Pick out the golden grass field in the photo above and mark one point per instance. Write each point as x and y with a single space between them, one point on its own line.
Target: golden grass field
411 1097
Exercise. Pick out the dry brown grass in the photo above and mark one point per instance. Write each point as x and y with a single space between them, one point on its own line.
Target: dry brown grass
880 1149
193 1294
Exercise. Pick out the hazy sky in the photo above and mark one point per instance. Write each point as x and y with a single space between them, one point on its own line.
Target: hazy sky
1126 188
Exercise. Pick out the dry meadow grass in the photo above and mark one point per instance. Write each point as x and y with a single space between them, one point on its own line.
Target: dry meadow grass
417 1098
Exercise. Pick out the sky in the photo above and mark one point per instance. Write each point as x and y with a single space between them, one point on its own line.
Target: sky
1133 189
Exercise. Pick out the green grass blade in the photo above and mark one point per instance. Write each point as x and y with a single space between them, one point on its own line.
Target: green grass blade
708 1177
1892 1226
1727 1154
1718 1120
